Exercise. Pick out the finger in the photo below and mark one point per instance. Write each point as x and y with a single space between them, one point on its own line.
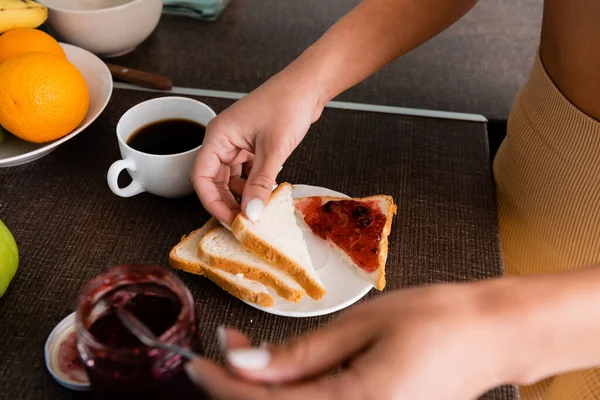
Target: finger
243 157
232 339
236 181
247 168
260 182
206 168
222 182
222 385
236 185
307 357
235 171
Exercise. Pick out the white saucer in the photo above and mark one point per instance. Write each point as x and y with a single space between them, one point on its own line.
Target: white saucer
344 286
14 151
51 354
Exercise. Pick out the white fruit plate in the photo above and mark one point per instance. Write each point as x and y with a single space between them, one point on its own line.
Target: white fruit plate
14 151
344 286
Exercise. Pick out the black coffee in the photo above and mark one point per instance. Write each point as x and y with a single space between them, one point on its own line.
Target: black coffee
168 136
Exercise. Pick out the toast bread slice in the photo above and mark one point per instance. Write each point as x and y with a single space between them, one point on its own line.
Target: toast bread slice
277 238
223 251
184 256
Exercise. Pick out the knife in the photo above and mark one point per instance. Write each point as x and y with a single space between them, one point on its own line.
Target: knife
140 78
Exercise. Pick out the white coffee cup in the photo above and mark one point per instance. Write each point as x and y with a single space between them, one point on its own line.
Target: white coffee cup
162 175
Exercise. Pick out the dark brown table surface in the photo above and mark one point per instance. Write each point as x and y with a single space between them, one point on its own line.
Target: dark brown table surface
476 66
69 226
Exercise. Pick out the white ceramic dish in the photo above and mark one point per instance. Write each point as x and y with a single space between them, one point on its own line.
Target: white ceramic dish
344 286
107 28
14 151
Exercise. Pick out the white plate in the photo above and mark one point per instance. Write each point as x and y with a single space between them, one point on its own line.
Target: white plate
344 286
14 151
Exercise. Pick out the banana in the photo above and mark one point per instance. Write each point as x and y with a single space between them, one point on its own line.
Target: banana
21 14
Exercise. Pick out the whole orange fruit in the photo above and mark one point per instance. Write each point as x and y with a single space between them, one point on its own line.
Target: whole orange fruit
42 97
25 40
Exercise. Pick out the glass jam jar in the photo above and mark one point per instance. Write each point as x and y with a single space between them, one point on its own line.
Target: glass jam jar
118 364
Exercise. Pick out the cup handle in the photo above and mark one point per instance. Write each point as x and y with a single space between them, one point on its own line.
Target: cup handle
113 175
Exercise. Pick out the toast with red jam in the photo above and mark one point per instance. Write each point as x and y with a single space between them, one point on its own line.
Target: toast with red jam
356 229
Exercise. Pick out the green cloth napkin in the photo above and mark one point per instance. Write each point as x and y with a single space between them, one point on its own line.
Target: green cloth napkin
207 10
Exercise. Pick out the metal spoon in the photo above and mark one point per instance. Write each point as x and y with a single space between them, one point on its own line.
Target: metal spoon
145 335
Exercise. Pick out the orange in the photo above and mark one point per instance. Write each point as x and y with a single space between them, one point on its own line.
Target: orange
25 40
42 97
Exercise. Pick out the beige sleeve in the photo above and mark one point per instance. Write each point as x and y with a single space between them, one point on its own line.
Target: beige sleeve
547 182
579 385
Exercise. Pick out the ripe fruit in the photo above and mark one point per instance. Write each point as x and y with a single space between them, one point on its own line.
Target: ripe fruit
21 14
25 40
9 257
42 97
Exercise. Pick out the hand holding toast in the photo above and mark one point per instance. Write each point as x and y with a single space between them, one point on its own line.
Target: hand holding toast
252 139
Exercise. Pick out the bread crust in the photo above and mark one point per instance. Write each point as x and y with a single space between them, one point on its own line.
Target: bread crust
252 273
379 281
261 299
185 265
258 246
199 268
383 248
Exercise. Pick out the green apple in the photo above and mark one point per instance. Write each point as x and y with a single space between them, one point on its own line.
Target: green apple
9 257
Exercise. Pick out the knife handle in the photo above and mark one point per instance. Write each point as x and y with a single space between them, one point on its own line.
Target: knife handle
140 78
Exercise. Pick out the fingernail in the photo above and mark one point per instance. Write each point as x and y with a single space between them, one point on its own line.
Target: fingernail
225 225
192 374
249 359
222 338
254 209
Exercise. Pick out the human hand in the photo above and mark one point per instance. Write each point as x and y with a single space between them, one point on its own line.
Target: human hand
252 138
438 342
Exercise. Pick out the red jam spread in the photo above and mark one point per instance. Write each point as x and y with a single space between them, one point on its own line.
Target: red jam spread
354 226
156 312
68 360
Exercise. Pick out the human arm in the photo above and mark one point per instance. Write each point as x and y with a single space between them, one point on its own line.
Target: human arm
262 129
450 341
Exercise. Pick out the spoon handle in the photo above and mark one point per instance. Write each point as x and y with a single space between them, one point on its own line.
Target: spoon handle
146 336
182 351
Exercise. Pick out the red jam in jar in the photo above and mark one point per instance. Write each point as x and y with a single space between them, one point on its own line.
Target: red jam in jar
118 364
354 226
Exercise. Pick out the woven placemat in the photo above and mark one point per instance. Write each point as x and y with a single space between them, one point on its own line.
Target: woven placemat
70 227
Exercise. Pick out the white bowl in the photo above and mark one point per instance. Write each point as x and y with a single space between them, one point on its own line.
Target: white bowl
108 28
14 151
